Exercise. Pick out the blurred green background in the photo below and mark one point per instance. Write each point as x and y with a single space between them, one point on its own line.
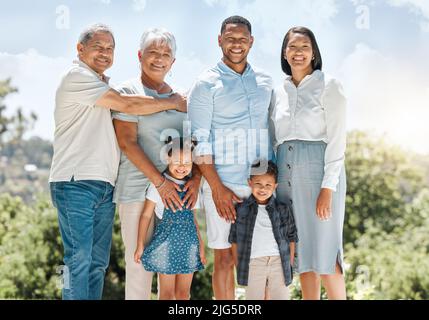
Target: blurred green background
386 229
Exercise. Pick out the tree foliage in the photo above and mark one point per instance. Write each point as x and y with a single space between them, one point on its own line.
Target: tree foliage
385 233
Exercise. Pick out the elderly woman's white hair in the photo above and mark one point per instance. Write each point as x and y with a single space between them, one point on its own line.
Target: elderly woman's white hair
159 36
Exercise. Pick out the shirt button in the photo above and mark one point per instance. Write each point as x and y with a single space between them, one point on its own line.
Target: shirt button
288 166
290 148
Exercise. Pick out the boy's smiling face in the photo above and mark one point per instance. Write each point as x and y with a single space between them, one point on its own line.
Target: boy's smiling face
263 187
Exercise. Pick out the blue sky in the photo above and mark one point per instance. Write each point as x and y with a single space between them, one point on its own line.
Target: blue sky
378 49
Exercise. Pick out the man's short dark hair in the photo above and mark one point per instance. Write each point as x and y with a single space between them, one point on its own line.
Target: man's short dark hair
261 167
235 20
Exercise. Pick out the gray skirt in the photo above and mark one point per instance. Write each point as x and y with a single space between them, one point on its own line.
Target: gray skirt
301 170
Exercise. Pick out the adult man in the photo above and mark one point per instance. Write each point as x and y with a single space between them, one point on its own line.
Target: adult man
86 158
228 109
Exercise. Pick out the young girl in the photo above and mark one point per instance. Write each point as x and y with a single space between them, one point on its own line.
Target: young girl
176 250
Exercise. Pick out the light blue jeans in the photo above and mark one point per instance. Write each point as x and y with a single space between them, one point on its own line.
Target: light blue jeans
86 214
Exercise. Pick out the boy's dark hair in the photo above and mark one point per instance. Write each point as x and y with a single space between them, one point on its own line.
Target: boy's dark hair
179 143
261 167
316 64
236 20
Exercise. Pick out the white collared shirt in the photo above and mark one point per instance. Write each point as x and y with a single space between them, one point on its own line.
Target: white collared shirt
313 111
85 145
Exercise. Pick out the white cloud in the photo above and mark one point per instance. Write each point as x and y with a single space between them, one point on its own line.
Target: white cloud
273 18
103 1
418 7
229 4
387 95
139 5
185 70
36 76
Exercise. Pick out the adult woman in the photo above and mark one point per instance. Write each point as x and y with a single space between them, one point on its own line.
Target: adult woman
141 139
309 133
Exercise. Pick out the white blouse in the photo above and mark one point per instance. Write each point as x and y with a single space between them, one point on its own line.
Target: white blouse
313 111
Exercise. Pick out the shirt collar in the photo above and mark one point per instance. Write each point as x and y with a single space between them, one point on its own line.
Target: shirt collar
153 91
316 74
82 64
222 66
251 201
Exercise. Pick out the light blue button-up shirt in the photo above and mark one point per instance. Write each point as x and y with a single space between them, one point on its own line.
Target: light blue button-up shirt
229 117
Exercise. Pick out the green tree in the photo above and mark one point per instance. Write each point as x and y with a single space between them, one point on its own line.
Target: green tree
30 250
381 181
387 220
13 128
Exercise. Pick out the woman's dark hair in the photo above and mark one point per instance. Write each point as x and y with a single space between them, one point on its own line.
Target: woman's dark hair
179 143
316 63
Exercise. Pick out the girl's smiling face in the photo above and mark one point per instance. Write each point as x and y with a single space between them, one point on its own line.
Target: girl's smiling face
180 164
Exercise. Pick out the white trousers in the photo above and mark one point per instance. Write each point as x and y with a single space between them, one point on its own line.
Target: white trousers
138 281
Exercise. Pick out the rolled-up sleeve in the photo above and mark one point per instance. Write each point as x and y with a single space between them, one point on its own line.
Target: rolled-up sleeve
124 116
82 87
200 113
334 103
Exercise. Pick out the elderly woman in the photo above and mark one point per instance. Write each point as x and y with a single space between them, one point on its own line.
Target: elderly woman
141 139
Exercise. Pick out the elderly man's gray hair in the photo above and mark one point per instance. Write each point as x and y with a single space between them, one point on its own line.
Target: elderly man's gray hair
89 32
158 36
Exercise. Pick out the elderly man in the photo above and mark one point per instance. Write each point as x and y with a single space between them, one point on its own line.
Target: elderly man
86 158
228 109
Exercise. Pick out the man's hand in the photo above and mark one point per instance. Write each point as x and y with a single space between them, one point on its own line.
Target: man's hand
170 197
192 188
224 199
180 102
324 204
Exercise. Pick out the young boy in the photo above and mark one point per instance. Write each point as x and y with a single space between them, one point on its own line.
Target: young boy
263 238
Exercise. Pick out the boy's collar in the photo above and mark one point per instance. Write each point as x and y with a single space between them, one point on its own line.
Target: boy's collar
252 201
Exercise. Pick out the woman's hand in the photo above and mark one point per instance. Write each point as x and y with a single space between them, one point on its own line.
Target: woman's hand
138 254
324 204
170 198
192 188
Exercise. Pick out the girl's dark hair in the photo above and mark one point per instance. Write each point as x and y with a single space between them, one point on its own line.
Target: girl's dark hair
179 142
316 63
